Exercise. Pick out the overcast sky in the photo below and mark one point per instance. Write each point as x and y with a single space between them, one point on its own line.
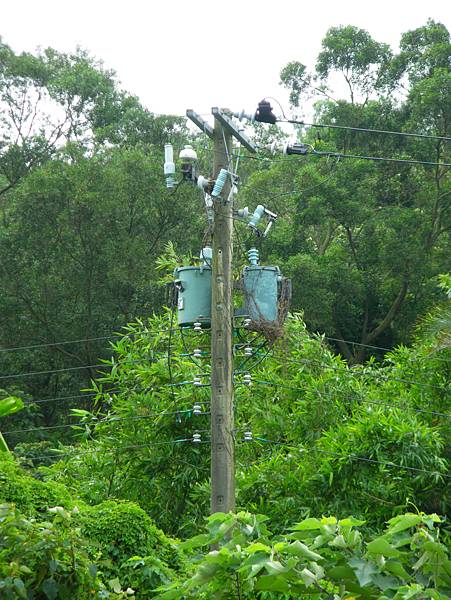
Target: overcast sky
178 54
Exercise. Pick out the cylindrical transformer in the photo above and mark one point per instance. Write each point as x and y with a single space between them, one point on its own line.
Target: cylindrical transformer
260 285
194 295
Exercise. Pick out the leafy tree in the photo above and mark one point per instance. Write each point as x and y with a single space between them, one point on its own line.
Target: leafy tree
326 436
370 236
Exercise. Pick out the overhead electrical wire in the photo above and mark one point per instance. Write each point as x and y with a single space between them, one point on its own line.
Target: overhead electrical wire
342 155
380 158
354 457
386 404
103 421
308 361
366 130
113 450
79 341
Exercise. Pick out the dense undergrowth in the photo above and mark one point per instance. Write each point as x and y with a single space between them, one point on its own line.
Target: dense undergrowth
328 439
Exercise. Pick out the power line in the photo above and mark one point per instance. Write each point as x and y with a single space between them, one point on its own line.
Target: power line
115 450
103 421
35 346
369 401
381 158
369 374
366 130
330 154
375 347
66 369
357 457
79 341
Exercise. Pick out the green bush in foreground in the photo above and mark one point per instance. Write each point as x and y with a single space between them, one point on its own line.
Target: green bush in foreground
319 559
30 496
120 531
43 560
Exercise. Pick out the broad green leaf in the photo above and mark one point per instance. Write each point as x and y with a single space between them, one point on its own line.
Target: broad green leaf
351 522
50 589
20 587
338 542
269 583
408 591
274 567
402 522
202 539
382 546
115 585
385 583
299 549
307 525
395 568
340 573
364 570
258 547
10 405
308 577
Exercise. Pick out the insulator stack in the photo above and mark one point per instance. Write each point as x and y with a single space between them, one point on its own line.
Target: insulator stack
247 379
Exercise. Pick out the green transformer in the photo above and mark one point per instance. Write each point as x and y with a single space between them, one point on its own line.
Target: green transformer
194 295
261 292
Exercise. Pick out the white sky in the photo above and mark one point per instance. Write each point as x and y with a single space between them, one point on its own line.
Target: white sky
175 55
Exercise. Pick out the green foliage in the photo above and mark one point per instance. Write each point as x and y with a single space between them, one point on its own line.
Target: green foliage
355 54
121 531
320 558
327 436
31 496
44 560
8 406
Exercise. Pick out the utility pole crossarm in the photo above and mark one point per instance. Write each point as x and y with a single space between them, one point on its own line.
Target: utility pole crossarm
201 123
229 126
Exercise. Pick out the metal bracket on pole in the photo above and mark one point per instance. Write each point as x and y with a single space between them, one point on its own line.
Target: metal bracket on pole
229 126
197 120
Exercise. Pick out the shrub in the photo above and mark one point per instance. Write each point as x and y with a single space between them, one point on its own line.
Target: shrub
30 496
119 531
320 558
43 560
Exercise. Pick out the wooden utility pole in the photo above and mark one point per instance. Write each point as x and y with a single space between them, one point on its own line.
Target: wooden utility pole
222 418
